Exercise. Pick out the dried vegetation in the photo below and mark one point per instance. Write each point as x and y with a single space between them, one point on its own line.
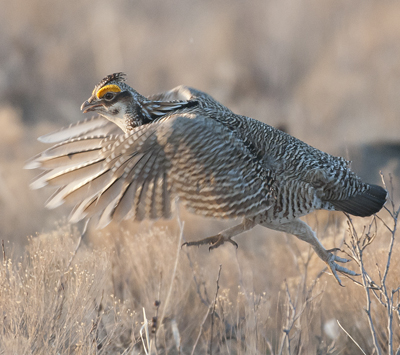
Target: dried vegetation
132 293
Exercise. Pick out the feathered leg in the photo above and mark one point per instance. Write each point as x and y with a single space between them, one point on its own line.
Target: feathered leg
224 236
303 231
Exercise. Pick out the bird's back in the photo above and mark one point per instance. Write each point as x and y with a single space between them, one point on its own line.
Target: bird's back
306 178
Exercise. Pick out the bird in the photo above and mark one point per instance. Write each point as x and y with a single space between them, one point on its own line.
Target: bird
140 155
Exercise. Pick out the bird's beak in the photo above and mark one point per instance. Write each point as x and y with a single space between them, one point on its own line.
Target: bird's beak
88 105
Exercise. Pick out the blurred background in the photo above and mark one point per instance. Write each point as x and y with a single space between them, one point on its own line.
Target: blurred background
328 72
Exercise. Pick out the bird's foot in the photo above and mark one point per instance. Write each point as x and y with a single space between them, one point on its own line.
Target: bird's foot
214 241
331 259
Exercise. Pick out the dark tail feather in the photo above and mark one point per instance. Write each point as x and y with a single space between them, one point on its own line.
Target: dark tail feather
365 204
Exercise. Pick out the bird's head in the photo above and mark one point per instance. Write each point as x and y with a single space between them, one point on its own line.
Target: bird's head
113 99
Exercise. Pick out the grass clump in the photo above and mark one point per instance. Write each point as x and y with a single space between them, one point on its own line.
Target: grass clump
130 292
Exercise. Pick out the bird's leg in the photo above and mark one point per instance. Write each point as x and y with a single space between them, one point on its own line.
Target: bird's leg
303 231
224 236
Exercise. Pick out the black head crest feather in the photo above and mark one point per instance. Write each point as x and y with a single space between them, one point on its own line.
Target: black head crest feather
112 77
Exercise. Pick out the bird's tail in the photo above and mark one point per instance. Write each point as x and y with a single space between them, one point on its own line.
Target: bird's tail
364 204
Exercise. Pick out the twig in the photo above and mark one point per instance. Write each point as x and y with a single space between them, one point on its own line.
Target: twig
389 300
145 328
213 309
384 223
290 320
203 300
78 244
176 335
95 324
390 198
366 280
181 225
381 292
4 251
303 296
154 321
200 330
352 339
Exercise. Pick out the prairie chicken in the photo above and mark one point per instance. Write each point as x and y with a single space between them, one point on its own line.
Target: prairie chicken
141 153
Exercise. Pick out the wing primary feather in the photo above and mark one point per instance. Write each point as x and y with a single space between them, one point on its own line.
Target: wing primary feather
77 129
137 178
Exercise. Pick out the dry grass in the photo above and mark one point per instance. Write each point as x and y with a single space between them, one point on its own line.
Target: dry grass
97 305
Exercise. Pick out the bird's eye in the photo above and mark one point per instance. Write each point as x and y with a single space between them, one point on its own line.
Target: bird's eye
109 96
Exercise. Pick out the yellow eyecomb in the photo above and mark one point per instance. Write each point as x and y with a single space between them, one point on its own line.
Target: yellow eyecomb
107 88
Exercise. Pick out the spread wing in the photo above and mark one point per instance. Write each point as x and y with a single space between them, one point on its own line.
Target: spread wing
139 174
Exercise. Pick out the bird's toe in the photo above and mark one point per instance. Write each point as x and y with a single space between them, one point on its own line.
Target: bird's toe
335 268
340 260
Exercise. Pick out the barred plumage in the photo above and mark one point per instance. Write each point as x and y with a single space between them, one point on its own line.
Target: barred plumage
183 143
